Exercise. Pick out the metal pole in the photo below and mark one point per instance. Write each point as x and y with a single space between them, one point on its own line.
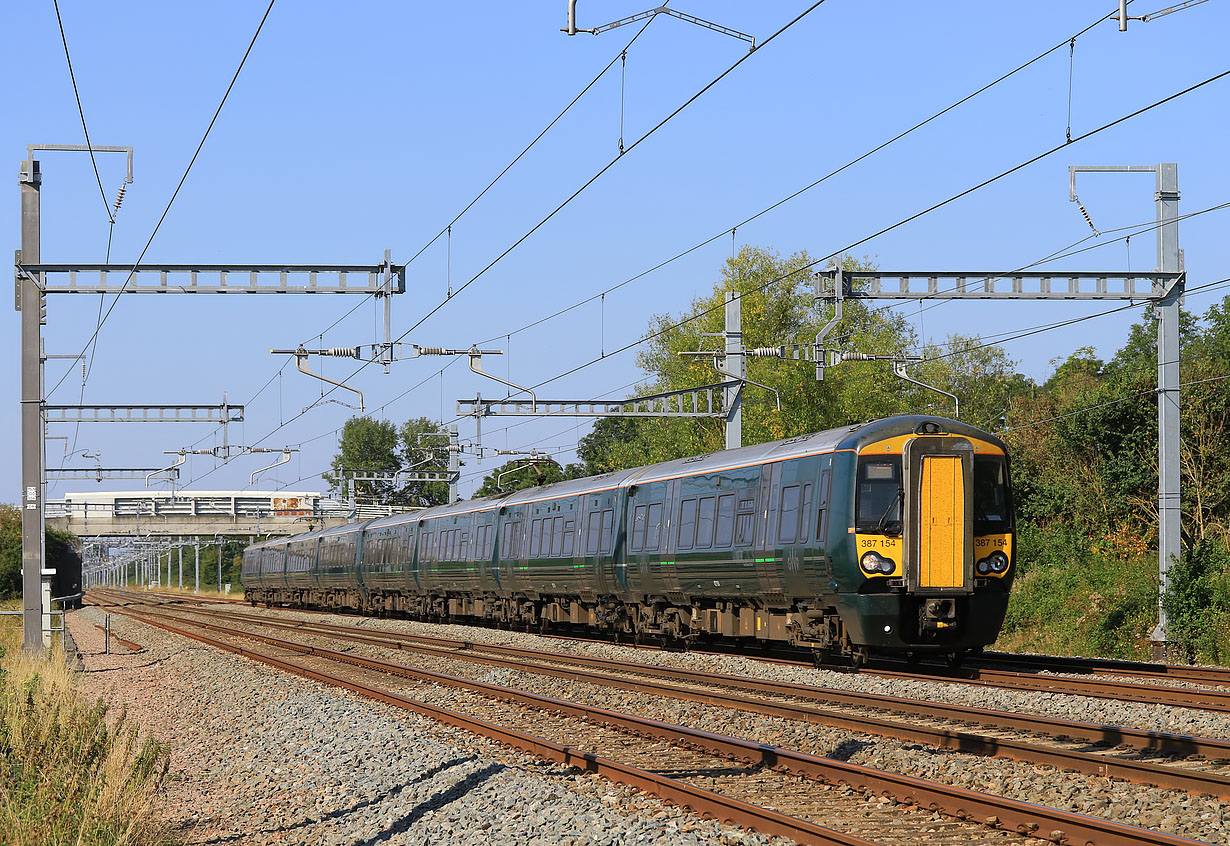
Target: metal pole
1169 259
219 566
1123 18
454 462
179 553
737 364
32 558
196 564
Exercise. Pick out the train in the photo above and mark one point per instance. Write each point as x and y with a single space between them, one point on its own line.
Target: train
890 536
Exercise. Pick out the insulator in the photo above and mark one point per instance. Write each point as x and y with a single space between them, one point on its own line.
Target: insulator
119 199
766 352
342 352
432 351
858 356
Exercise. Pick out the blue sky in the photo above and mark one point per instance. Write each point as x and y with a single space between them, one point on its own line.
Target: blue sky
359 127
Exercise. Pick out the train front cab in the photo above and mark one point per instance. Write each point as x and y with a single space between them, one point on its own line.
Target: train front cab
933 541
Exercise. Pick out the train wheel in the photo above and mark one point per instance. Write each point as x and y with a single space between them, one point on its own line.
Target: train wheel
955 659
858 658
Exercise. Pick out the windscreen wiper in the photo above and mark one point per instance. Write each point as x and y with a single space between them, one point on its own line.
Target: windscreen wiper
882 523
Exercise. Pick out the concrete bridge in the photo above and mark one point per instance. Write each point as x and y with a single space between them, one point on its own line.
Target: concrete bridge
197 513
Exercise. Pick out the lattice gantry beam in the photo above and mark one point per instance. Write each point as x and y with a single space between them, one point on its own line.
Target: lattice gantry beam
1024 285
402 476
143 413
690 402
99 473
216 278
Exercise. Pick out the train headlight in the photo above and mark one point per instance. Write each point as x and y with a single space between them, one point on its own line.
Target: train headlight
877 564
998 561
984 566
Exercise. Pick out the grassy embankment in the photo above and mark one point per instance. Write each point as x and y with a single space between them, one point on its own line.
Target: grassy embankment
1104 606
71 771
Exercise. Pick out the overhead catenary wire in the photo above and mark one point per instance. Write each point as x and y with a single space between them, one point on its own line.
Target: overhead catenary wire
814 184
179 185
81 111
447 229
846 249
601 296
888 228
622 53
641 139
1107 404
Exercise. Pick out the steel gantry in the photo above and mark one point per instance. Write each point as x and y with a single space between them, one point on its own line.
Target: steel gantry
35 280
1161 288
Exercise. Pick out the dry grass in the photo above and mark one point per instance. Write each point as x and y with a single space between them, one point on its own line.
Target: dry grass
70 771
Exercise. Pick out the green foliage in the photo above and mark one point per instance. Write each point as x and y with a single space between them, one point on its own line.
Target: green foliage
61 553
381 446
778 308
1083 444
71 772
1197 602
1078 603
522 473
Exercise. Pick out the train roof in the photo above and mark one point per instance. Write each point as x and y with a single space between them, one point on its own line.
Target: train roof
842 437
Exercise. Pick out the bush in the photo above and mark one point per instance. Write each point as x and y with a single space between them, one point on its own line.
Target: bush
1198 602
1068 600
70 772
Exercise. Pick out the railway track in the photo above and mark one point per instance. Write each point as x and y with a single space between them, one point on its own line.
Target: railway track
804 789
1204 699
834 708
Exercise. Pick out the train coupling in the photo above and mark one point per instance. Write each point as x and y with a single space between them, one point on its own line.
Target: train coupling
937 615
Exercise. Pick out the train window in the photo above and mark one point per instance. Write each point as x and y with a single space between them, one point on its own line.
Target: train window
654 526
569 537
823 505
725 520
535 537
992 504
608 527
687 524
593 532
557 537
464 553
788 517
805 513
704 522
638 528
745 521
879 500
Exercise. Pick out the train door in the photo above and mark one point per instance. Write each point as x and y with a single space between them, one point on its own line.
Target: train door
668 570
513 545
620 555
767 554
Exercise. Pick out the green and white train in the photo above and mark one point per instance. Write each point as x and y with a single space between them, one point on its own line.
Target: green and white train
895 535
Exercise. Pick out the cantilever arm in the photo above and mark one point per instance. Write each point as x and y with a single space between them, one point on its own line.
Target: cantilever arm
182 457
476 365
301 357
285 459
899 371
717 359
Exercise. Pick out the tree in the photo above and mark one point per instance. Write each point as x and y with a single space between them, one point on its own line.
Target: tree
778 308
523 473
61 555
381 446
370 445
424 447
